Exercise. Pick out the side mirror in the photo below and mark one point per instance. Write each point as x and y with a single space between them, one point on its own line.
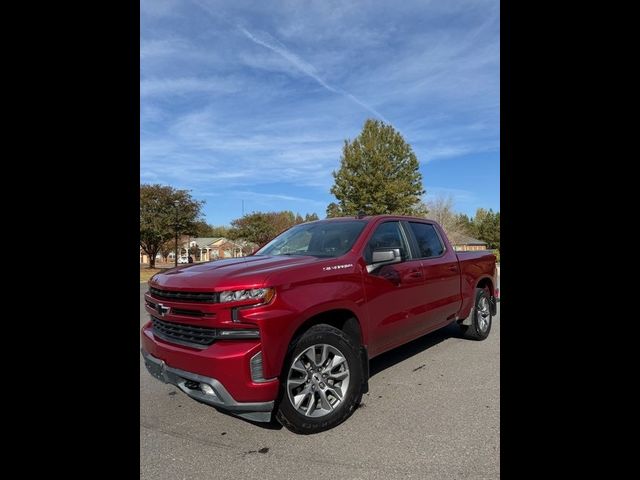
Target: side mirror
384 256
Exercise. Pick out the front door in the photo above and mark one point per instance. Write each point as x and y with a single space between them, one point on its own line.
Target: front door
393 292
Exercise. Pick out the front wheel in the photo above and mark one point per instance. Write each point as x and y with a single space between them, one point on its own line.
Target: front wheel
322 381
481 319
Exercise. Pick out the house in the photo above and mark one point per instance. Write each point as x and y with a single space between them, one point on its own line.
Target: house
465 243
204 249
211 248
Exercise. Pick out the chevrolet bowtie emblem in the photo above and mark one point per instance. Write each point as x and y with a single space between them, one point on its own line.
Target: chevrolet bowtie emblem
161 309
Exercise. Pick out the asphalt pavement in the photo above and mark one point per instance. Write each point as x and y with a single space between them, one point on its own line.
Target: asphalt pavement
432 411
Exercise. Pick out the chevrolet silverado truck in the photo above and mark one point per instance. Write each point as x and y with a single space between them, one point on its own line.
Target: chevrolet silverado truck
288 332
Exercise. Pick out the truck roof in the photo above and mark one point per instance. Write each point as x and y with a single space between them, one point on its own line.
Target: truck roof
373 217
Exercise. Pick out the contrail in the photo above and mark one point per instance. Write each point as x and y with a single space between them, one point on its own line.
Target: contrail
307 69
292 58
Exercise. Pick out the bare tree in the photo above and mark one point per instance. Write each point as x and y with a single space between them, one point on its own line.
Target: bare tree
441 210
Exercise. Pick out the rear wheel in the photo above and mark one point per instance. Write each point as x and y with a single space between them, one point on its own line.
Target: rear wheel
322 381
481 317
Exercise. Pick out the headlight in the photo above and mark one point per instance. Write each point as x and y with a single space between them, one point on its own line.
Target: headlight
260 295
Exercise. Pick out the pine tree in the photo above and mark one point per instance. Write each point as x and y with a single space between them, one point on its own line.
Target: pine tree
379 174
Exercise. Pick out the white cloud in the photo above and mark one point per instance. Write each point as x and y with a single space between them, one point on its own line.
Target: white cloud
255 195
181 86
236 99
158 8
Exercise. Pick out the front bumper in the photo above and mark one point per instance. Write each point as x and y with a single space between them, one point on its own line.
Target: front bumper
217 395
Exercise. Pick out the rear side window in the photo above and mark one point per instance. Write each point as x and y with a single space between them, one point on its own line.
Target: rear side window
429 244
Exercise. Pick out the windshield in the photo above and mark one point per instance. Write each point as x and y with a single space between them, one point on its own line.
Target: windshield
318 239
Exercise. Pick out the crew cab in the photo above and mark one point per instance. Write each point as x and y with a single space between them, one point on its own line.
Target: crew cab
288 332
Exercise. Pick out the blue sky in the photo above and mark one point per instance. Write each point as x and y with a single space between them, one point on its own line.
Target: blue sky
252 101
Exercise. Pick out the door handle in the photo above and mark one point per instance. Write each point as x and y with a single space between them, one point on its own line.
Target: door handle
453 268
415 273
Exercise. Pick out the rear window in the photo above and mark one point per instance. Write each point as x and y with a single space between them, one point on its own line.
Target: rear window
429 243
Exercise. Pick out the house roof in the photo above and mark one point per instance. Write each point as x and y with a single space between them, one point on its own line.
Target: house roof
204 242
460 239
214 242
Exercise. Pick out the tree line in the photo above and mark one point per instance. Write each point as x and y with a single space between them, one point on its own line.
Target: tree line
484 225
166 212
378 174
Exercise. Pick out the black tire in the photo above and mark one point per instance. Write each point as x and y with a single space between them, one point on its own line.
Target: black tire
475 331
287 414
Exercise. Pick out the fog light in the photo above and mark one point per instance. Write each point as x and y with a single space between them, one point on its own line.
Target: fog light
207 389
256 368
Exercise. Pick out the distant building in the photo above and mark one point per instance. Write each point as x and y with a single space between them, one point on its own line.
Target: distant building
465 243
210 248
206 249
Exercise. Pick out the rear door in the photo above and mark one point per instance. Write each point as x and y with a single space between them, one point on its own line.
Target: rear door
394 292
441 295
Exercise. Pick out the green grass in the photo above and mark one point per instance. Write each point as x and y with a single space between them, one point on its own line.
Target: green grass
146 273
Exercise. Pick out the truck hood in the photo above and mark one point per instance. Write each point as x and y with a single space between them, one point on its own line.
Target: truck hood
230 273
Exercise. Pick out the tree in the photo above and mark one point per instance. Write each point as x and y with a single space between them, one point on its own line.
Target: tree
219 231
202 229
194 252
379 173
166 248
333 210
311 217
486 227
261 227
441 210
464 224
165 212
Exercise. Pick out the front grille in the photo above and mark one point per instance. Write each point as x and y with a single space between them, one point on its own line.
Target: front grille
181 311
190 313
206 297
189 335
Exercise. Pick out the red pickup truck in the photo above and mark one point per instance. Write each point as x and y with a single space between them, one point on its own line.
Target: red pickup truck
289 331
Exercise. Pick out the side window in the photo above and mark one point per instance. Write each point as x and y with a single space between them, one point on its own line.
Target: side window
387 235
429 243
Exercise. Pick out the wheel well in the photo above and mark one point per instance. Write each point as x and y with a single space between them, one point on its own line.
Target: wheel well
485 282
346 321
341 319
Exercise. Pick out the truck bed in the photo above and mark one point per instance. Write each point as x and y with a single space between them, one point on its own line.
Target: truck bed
473 265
